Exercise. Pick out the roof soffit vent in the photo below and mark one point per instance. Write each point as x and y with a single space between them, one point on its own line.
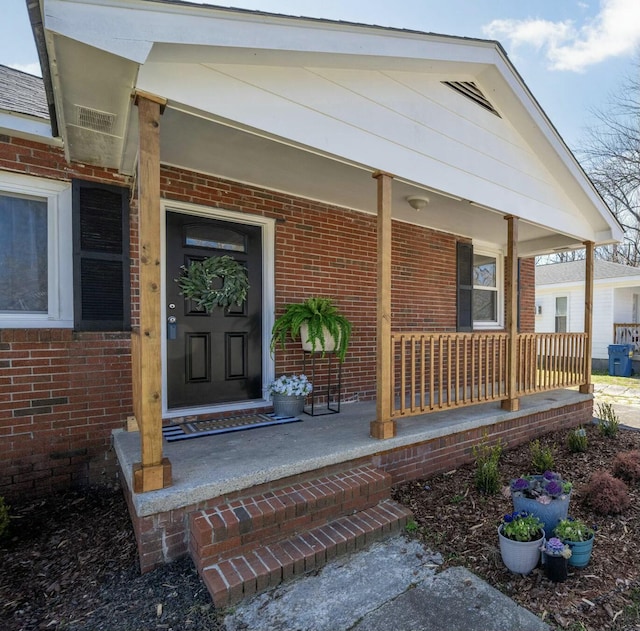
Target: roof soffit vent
473 92
95 120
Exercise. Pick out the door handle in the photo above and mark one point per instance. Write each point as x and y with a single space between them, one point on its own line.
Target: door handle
172 328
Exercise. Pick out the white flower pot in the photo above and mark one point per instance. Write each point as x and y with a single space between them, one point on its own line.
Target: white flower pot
316 346
520 557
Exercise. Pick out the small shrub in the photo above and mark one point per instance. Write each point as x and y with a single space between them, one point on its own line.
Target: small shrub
609 422
605 494
577 440
541 457
4 517
411 527
626 466
487 474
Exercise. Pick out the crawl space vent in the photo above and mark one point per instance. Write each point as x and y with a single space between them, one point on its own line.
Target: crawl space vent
473 92
95 119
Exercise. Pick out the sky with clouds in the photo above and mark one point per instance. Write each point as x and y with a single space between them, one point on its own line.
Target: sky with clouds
573 54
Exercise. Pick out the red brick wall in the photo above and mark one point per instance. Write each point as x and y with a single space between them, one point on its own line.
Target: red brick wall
527 295
62 395
330 251
446 453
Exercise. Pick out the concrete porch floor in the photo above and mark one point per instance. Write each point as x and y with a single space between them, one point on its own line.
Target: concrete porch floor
213 466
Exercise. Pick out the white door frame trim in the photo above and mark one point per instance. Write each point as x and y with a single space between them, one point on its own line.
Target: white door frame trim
268 300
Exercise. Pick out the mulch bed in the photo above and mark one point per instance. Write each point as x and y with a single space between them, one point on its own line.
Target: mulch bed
455 519
70 562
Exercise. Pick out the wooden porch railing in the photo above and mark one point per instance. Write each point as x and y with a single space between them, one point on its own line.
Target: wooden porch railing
627 334
547 361
437 371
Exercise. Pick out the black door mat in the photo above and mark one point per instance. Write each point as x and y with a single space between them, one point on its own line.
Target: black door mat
196 429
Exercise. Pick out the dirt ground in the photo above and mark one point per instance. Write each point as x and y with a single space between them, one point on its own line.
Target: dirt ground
70 563
453 518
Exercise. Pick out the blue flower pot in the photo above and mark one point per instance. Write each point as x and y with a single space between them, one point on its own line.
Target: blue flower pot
580 552
550 514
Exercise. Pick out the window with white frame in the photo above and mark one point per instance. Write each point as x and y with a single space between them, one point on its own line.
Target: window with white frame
35 256
23 254
487 289
561 314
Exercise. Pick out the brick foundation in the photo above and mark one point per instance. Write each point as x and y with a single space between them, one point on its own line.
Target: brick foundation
447 453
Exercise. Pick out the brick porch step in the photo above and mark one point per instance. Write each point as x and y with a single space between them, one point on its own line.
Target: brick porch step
230 580
239 526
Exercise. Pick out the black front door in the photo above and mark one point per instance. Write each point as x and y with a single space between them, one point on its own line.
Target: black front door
212 358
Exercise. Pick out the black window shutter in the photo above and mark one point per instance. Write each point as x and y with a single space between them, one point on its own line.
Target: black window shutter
464 266
101 284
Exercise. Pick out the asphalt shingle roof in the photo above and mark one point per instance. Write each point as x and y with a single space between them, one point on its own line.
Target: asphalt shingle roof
22 93
574 271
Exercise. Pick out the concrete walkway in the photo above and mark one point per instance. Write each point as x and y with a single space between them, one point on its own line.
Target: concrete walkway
392 586
625 400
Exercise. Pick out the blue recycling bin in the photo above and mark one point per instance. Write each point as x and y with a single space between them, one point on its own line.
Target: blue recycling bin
620 356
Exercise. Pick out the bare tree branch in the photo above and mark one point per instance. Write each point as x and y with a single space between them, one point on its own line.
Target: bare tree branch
611 157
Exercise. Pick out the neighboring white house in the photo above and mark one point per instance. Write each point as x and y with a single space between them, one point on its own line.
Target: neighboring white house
616 304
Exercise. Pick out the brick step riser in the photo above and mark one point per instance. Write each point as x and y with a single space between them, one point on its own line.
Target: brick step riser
243 524
242 542
264 567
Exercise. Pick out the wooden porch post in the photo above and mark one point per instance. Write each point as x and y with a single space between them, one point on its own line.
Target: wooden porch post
511 403
383 427
154 472
587 386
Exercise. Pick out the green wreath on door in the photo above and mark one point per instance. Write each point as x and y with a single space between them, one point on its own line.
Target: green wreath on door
200 282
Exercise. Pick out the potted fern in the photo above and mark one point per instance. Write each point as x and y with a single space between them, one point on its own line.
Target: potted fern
318 323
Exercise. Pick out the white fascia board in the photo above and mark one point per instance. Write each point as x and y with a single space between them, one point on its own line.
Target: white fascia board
29 128
130 28
601 283
101 25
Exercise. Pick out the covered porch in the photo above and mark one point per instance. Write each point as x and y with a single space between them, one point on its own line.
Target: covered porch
212 470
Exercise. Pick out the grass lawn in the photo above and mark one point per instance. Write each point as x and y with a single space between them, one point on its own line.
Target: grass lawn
604 379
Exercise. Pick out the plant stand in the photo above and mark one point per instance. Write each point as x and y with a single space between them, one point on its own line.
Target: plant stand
333 380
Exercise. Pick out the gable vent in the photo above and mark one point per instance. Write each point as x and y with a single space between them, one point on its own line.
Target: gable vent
473 92
95 119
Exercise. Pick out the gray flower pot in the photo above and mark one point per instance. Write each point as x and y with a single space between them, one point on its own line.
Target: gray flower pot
287 405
